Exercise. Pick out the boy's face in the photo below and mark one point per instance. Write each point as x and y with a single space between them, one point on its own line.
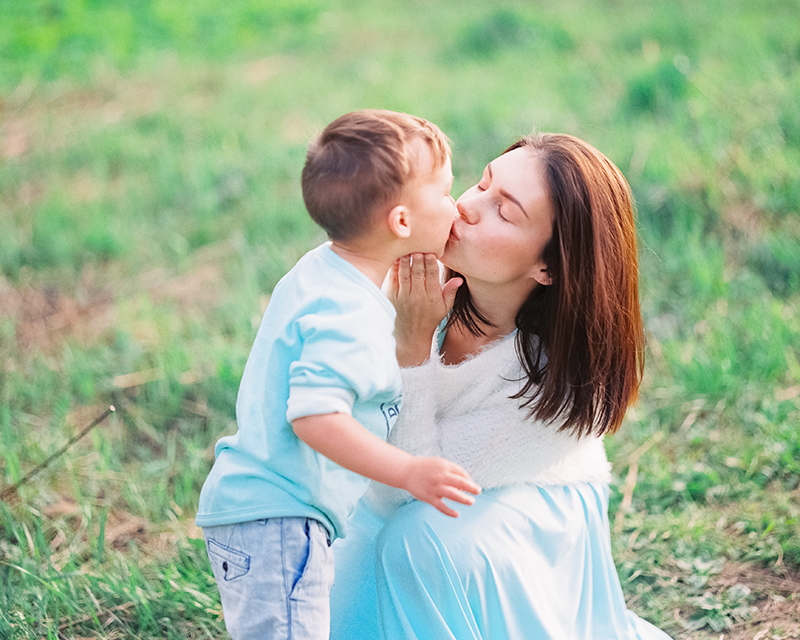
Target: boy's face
432 208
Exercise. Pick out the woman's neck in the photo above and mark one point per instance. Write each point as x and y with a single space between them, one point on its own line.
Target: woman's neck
460 344
499 306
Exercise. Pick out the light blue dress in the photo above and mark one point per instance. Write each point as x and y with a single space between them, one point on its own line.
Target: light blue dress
530 560
524 562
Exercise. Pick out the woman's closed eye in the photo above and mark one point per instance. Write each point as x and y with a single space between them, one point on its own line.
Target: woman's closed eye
482 186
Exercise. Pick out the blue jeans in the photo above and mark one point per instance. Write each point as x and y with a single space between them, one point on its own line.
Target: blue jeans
274 576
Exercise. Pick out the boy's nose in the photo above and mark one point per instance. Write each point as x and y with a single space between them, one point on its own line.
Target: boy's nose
455 207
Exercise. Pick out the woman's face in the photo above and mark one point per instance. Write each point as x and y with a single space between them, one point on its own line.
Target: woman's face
504 223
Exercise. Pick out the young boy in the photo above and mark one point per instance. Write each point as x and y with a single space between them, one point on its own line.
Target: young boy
321 388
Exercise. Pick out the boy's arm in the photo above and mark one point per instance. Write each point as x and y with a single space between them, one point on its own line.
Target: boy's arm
341 438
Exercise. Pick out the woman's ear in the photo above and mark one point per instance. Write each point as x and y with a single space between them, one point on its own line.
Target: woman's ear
399 221
542 275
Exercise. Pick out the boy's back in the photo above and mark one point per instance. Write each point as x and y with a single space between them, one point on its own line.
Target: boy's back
327 333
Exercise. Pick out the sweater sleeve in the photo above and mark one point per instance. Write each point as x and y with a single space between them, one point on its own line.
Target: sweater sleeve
414 431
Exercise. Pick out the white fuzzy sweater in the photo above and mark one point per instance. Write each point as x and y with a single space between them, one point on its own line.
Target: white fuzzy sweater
464 413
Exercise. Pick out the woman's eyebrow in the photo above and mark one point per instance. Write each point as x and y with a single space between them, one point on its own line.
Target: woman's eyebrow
506 194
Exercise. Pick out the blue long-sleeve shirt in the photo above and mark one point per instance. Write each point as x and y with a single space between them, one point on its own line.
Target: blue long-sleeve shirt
325 345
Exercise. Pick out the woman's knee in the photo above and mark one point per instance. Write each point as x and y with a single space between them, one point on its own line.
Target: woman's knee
410 537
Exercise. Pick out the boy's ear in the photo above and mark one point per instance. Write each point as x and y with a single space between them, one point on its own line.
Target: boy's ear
399 221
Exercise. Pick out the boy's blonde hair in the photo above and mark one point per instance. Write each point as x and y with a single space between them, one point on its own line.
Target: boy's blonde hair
362 161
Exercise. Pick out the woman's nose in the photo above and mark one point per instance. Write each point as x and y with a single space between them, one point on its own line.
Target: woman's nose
465 212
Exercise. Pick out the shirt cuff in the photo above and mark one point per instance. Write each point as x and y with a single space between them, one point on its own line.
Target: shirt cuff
314 401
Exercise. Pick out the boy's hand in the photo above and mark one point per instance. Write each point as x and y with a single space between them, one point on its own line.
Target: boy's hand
432 479
421 302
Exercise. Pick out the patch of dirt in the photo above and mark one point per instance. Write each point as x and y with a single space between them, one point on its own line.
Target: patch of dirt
23 196
121 527
778 614
13 139
41 119
780 622
745 219
758 578
45 316
45 123
199 289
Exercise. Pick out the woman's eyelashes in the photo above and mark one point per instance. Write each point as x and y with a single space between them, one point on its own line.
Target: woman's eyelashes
483 186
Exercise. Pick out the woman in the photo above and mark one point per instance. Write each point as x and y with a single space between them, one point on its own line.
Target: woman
540 357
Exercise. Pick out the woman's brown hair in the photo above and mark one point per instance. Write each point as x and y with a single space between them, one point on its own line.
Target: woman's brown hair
580 339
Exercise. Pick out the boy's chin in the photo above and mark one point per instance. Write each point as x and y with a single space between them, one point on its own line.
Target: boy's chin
436 251
445 259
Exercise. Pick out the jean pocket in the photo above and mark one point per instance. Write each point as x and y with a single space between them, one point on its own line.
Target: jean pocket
316 578
226 562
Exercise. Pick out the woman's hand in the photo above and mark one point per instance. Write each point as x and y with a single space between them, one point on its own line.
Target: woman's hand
421 302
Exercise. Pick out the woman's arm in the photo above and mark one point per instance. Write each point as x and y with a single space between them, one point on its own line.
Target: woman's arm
421 301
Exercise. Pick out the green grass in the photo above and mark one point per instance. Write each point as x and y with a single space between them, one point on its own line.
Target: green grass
150 155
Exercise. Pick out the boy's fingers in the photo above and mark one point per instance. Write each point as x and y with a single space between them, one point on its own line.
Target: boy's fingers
465 484
441 506
458 496
473 489
463 481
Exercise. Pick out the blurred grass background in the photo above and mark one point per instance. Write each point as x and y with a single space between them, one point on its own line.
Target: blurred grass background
150 154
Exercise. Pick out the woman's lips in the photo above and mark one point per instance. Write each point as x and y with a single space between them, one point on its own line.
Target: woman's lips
451 240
